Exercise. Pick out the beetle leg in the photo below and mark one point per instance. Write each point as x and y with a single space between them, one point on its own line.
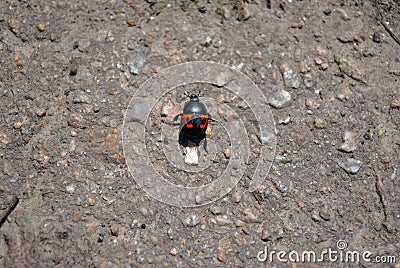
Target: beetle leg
177 116
210 118
205 145
183 149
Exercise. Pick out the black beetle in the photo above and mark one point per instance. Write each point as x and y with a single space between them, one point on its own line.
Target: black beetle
194 122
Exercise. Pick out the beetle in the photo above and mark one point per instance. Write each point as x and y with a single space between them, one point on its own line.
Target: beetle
194 122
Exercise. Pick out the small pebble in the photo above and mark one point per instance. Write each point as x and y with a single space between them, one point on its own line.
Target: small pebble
77 216
135 223
227 153
80 97
318 61
109 38
349 67
72 146
378 37
394 66
327 12
244 14
319 123
222 220
395 103
285 120
191 221
17 125
217 43
75 121
224 12
281 187
173 251
385 159
114 230
280 98
137 61
325 189
351 165
208 41
209 132
63 234
140 258
3 138
298 25
216 210
251 158
325 213
169 109
13 26
290 77
47 227
73 71
41 112
343 14
250 217
280 234
221 257
101 238
130 22
240 223
308 80
260 39
41 27
318 36
320 50
41 158
266 236
75 45
236 197
345 37
348 144
297 54
90 201
83 44
70 189
312 104
368 52
315 216
324 66
202 9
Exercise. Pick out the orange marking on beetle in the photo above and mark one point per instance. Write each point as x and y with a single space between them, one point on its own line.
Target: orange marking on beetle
189 125
204 118
186 117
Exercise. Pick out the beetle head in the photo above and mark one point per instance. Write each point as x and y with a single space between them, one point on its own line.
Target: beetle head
194 98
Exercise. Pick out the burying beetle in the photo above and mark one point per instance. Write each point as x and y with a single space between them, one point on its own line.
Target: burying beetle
193 126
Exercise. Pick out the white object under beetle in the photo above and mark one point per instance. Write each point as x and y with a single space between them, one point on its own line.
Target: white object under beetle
191 157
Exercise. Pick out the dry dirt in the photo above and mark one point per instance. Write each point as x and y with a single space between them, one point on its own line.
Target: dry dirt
69 70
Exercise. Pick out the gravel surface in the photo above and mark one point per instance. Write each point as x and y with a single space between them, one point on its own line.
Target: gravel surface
329 70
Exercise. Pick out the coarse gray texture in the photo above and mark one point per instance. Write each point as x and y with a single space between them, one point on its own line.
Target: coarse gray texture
69 69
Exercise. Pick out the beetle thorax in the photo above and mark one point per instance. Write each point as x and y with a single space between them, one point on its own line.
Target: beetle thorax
192 107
